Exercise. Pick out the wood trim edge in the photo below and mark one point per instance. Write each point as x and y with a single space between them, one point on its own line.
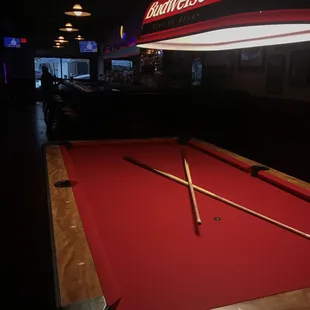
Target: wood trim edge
76 273
295 300
272 171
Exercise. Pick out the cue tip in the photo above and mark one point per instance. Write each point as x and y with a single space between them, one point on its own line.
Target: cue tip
199 222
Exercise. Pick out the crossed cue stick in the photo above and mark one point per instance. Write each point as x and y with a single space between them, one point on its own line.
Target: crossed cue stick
212 195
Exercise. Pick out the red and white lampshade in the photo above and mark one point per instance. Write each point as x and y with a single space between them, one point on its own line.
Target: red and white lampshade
208 25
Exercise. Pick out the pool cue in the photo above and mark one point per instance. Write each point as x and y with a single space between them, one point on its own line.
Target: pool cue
191 188
219 198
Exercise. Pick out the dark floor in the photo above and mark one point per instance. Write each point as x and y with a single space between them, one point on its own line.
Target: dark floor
29 252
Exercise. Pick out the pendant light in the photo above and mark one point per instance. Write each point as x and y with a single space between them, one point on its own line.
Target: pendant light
61 39
79 38
77 11
68 28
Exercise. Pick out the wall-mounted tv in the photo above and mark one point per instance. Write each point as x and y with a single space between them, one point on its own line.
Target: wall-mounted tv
121 64
252 58
88 47
197 72
11 42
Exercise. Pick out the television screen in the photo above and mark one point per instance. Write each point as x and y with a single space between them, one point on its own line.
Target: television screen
197 72
250 54
88 47
121 64
12 42
252 57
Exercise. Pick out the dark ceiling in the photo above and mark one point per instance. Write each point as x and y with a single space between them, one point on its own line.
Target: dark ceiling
40 20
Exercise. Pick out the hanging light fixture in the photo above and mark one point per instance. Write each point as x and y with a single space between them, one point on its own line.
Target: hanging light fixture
211 25
77 11
79 38
122 32
61 39
68 28
58 45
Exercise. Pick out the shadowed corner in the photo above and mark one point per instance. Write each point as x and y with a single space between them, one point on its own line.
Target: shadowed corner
184 139
114 305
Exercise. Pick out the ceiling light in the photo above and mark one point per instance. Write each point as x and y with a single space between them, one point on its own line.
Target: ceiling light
61 39
209 25
121 32
77 7
77 11
58 46
79 38
69 28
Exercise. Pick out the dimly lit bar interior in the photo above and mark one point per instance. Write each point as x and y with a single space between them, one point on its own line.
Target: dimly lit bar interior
157 154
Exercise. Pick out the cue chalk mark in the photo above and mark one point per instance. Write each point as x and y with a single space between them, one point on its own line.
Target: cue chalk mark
191 188
219 198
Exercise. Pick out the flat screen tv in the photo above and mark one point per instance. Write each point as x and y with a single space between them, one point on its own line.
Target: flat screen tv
197 72
252 58
88 47
11 42
121 64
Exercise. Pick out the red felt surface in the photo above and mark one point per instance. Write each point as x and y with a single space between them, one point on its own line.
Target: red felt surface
222 156
140 229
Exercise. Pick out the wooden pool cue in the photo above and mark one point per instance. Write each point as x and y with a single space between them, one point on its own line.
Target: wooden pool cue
191 188
219 198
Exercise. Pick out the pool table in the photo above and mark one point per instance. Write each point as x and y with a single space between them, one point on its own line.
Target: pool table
125 237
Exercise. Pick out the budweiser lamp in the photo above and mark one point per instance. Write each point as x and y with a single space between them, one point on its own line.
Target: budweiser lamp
211 25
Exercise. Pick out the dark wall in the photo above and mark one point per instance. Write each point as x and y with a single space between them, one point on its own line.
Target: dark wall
132 27
94 68
222 70
177 67
2 86
20 74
